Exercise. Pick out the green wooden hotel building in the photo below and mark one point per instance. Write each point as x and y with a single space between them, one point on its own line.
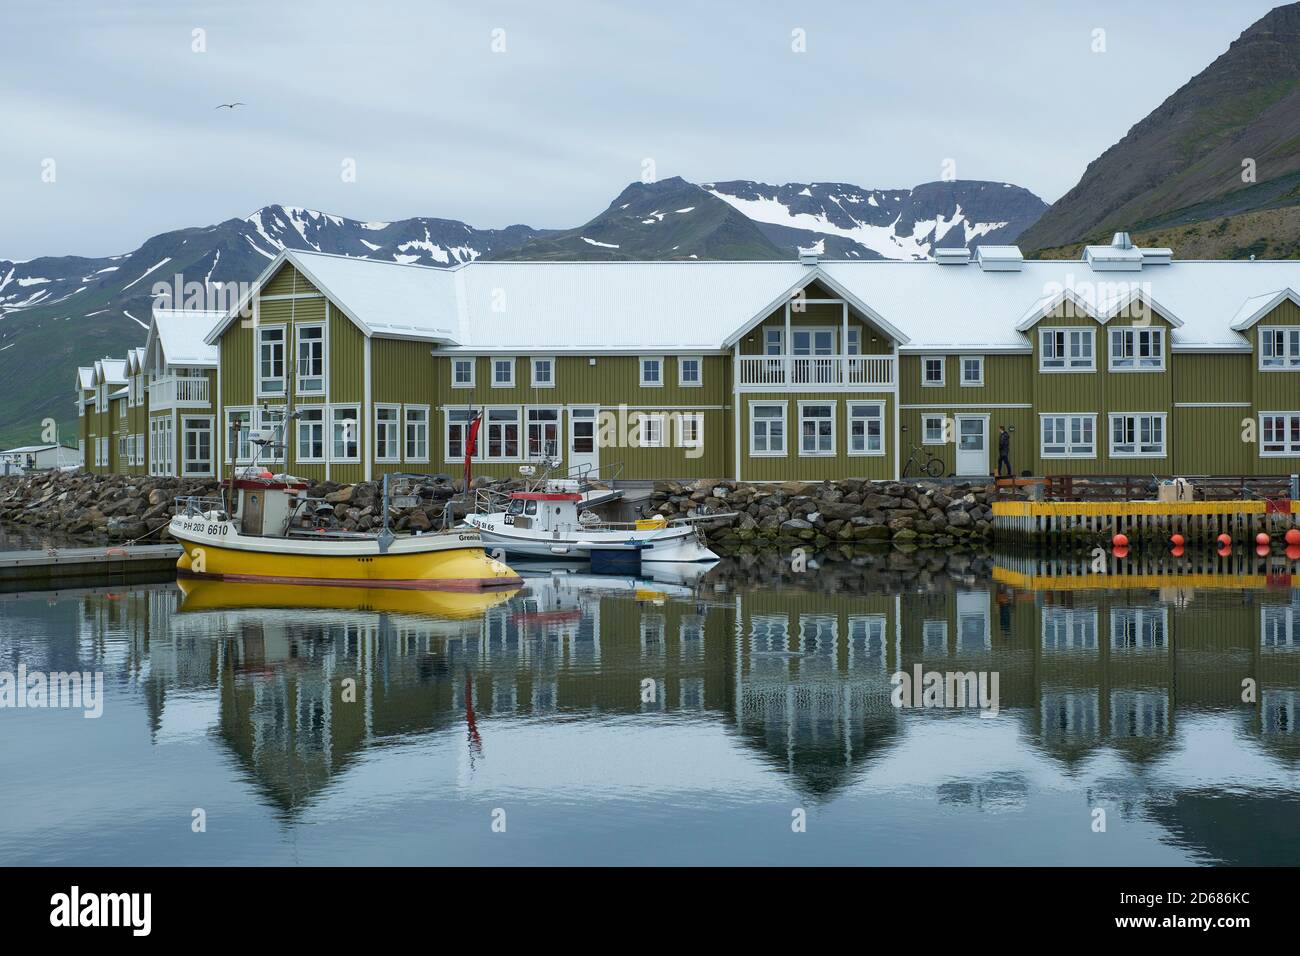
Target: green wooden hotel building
1123 362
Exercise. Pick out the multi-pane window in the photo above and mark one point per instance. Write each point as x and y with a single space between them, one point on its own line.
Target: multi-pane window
972 370
1065 349
1279 433
932 370
652 372
690 429
344 428
197 446
932 430
866 428
387 433
503 373
543 373
1068 436
239 424
311 434
543 432
417 433
1137 436
773 340
311 358
816 428
767 429
270 419
1279 348
462 373
650 431
458 423
503 433
689 371
1137 348
1134 348
270 360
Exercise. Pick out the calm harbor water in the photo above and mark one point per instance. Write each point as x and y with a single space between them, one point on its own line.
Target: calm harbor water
609 720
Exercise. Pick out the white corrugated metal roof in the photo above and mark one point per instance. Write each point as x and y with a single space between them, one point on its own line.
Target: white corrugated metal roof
701 305
112 370
86 376
386 298
606 306
181 333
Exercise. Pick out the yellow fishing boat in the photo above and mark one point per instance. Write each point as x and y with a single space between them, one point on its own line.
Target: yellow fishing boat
261 532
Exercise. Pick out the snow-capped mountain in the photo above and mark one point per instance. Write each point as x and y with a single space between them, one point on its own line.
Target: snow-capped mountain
847 222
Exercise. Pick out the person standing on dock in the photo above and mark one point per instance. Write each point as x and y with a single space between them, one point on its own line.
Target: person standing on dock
1004 451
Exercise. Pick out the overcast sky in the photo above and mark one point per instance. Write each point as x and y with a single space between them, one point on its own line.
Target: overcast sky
549 130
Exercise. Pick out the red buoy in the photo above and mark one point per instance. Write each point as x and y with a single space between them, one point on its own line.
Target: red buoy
1119 551
1177 540
1293 552
1176 551
1262 549
1293 535
1262 539
1120 541
1225 540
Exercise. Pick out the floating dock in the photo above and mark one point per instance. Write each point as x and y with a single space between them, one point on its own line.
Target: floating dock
1093 522
64 564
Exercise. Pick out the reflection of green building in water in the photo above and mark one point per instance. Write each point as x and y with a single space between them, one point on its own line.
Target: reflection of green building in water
800 677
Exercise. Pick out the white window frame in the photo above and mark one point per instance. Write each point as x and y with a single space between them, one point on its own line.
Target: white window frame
271 418
508 362
472 363
393 429
462 417
528 431
1137 442
422 424
485 442
1131 340
767 431
299 378
773 337
1289 449
185 445
641 364
943 371
1069 445
302 424
1068 364
532 363
339 415
961 366
1289 360
812 403
230 411
925 429
690 429
699 371
283 378
850 417
659 431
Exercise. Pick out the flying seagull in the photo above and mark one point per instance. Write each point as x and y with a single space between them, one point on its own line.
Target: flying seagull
227 106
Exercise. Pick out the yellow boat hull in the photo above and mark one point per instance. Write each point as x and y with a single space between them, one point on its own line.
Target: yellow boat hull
463 568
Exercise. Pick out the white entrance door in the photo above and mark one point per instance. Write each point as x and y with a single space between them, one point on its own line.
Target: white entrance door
584 453
972 444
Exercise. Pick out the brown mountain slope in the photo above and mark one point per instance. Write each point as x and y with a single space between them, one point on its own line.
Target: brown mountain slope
1189 151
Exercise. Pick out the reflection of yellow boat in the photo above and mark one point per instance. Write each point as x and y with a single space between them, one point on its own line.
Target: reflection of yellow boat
207 595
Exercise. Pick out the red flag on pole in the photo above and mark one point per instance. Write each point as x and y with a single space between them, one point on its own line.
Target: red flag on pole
471 445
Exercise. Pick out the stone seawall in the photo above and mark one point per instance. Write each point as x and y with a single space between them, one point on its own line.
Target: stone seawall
813 515
834 513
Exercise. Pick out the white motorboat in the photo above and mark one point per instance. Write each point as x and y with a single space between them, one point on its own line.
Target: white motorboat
546 522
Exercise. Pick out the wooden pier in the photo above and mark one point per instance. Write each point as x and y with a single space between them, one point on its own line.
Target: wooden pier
1096 522
63 564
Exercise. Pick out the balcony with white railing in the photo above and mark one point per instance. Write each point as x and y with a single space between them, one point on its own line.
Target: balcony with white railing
169 392
810 373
